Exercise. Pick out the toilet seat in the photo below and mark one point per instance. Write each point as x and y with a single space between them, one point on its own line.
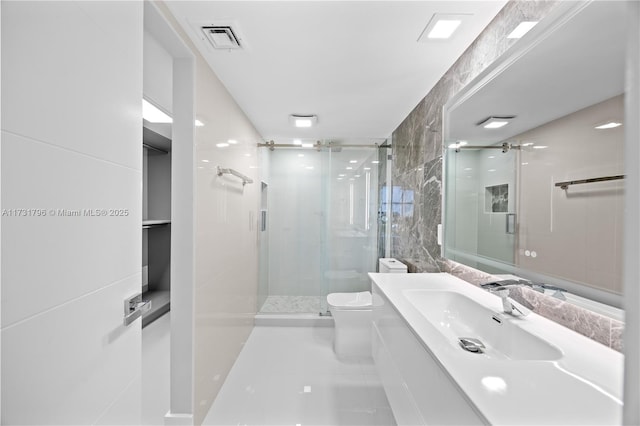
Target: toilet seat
351 301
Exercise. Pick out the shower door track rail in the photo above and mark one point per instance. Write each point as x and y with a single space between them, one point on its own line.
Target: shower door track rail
318 145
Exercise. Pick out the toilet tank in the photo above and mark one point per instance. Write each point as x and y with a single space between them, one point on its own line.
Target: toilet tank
391 266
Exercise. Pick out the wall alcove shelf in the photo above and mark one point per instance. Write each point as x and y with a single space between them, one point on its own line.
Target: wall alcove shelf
156 225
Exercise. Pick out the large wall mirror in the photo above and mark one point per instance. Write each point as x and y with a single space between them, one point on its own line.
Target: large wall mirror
534 152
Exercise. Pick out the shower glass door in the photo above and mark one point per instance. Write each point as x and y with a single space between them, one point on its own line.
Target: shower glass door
351 220
320 226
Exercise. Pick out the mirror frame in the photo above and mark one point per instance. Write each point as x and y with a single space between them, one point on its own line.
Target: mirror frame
554 21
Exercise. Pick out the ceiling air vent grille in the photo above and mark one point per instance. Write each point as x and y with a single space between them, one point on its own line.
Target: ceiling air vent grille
222 37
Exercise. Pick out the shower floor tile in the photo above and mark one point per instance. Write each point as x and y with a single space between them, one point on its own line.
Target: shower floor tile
292 304
290 375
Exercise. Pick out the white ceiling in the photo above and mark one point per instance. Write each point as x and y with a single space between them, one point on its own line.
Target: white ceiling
357 65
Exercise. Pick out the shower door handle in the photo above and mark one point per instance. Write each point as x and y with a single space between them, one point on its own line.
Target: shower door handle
134 307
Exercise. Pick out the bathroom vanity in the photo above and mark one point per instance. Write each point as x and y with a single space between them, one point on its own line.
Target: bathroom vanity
514 369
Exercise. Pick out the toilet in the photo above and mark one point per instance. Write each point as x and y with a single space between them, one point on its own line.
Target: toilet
352 315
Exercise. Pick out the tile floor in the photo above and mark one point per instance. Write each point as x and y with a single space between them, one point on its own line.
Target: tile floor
155 370
290 376
283 376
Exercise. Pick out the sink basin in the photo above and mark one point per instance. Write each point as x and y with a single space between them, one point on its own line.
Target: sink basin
455 315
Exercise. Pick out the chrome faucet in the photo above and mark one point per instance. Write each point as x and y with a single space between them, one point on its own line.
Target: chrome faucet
502 290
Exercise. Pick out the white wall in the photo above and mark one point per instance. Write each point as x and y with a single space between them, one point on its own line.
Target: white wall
225 232
71 139
577 233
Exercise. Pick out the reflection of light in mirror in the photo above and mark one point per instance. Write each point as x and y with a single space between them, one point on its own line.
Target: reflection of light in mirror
367 208
444 28
610 125
375 162
342 175
492 156
356 176
222 145
300 155
353 161
367 168
494 384
297 142
349 168
491 170
524 164
468 169
522 28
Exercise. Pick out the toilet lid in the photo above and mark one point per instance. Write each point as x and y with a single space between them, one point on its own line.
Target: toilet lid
362 299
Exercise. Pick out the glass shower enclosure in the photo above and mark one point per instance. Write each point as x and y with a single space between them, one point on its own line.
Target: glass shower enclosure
318 231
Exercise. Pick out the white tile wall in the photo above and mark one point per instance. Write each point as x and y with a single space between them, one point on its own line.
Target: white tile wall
226 245
71 130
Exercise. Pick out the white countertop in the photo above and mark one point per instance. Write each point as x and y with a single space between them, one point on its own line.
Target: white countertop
582 386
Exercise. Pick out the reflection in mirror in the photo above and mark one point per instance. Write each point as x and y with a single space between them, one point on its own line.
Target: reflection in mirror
527 198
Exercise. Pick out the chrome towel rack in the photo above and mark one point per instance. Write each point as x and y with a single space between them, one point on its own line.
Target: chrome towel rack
565 185
225 171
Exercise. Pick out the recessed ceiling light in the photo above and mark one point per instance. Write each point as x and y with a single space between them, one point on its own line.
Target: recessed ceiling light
540 147
609 125
303 121
522 28
349 168
491 170
495 122
232 141
153 114
375 162
309 167
342 175
297 142
353 161
441 26
300 155
205 161
199 123
367 168
307 145
222 145
356 176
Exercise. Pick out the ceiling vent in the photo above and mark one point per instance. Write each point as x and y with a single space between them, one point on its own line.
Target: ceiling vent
222 37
